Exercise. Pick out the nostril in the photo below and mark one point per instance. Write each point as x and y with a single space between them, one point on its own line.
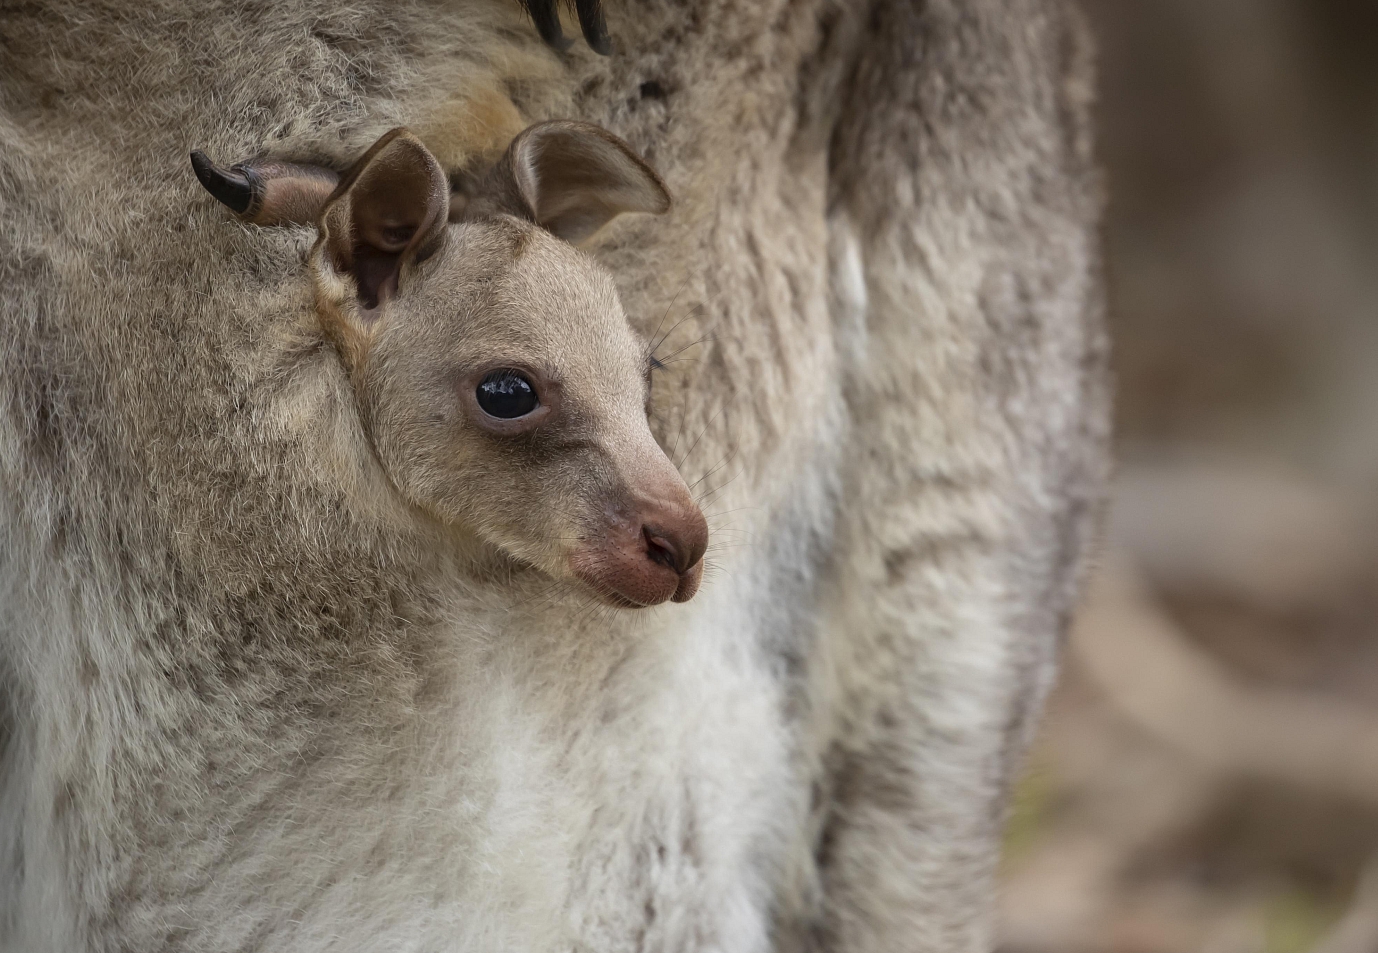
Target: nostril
663 551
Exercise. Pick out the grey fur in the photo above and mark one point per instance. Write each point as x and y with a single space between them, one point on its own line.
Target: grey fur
252 701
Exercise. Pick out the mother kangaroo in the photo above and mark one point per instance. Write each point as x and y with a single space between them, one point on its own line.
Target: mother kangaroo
252 699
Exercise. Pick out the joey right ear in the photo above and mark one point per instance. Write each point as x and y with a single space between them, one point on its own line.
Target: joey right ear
570 178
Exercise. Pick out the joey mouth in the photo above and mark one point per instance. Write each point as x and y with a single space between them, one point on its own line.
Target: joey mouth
625 587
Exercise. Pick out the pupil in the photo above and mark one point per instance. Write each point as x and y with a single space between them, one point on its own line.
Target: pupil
506 394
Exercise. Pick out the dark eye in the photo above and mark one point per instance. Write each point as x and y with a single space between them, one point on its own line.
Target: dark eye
506 394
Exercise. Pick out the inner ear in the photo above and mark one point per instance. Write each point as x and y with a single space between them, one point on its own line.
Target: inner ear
390 208
571 178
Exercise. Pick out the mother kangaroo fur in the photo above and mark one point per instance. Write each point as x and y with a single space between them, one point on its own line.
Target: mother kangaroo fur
253 701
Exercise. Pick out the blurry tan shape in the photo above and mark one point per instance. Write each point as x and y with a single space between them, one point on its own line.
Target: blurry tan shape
1062 894
1152 672
1269 538
1239 929
1357 931
1066 893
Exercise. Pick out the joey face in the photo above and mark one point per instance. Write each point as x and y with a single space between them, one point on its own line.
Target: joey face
506 394
496 374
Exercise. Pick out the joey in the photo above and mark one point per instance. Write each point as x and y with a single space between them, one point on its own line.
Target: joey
496 374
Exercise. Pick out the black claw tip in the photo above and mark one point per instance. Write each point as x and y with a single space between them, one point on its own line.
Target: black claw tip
547 19
229 187
594 26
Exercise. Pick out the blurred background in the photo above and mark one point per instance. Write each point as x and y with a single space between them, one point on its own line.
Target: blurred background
1207 775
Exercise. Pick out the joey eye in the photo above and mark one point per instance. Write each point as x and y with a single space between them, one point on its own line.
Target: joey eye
506 394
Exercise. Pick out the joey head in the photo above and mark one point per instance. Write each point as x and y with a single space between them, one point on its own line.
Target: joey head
496 374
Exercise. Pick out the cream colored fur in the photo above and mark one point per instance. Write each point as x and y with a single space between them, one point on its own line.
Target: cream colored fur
252 701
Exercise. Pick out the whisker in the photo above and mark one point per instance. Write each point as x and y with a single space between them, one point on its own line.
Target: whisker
696 309
716 467
683 416
699 437
668 308
709 494
707 335
735 509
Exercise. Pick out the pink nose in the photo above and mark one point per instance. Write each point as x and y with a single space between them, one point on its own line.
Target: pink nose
652 555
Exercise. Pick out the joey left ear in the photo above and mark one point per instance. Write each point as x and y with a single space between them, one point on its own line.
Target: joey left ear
390 208
571 178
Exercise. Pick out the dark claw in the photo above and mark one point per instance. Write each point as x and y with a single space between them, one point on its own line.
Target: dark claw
594 26
547 20
230 187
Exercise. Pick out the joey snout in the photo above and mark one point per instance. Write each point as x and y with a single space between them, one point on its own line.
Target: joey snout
650 548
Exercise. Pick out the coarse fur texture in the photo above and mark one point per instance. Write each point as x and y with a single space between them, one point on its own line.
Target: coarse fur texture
254 700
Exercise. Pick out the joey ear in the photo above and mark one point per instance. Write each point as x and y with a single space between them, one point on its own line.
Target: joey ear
390 208
571 178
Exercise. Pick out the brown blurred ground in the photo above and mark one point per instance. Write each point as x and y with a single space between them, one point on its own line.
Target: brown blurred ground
1207 779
